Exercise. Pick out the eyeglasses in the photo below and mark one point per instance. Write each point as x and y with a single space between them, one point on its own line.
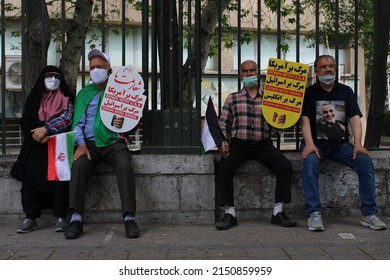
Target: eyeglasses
57 76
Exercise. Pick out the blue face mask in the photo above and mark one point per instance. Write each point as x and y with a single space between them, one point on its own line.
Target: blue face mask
250 81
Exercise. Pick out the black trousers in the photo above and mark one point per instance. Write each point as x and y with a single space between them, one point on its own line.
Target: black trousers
34 200
262 151
119 157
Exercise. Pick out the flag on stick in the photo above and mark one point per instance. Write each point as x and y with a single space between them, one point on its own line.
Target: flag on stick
60 156
211 132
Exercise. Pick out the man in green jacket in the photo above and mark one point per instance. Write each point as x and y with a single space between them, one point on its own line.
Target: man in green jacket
95 143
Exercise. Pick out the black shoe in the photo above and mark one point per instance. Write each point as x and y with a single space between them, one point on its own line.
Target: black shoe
282 220
227 222
74 230
132 230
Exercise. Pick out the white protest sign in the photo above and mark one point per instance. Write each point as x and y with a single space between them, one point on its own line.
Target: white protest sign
123 98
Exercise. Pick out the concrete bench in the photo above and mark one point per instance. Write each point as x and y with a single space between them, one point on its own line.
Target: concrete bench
180 189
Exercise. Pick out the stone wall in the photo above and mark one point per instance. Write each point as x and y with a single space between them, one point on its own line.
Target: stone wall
173 189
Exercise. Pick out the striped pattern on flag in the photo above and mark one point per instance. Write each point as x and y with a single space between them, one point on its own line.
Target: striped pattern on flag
211 132
60 156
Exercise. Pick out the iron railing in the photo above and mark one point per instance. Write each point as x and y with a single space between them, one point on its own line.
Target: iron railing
171 35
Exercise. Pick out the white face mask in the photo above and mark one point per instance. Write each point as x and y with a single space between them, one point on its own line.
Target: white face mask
98 75
327 79
52 83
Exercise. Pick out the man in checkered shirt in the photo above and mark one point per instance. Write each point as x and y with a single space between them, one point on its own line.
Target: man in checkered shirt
248 137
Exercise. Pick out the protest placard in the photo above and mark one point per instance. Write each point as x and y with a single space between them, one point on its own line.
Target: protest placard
284 91
123 98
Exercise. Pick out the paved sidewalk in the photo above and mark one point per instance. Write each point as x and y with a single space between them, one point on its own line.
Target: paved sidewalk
343 239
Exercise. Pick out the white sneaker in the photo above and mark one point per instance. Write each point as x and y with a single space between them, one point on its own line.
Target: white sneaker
315 222
373 222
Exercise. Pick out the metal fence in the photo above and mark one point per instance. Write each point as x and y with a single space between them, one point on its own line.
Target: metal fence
172 58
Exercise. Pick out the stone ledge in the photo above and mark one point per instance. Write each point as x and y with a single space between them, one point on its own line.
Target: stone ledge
180 189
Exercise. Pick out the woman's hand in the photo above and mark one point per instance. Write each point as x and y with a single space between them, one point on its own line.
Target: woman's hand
39 134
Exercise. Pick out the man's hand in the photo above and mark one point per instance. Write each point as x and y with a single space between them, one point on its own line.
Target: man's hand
80 151
360 149
224 149
307 150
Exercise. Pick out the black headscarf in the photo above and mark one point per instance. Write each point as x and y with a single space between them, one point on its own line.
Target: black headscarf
30 115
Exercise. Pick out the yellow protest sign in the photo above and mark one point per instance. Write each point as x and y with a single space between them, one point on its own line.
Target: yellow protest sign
284 90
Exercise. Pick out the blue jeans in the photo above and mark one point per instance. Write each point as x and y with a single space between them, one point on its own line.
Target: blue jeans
341 153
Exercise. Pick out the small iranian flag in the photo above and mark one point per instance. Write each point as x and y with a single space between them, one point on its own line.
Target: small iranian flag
211 132
60 156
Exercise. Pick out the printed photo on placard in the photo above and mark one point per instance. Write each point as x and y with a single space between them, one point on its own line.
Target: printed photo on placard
123 98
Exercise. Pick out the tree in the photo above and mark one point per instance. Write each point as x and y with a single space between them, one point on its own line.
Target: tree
168 40
40 28
208 22
331 33
74 44
376 114
81 20
36 44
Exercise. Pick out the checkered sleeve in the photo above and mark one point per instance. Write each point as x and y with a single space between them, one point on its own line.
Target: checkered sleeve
61 123
225 119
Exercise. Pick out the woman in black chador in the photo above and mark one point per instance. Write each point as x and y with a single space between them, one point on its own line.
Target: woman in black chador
48 111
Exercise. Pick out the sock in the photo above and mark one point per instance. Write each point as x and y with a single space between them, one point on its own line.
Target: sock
76 217
229 210
278 207
129 217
